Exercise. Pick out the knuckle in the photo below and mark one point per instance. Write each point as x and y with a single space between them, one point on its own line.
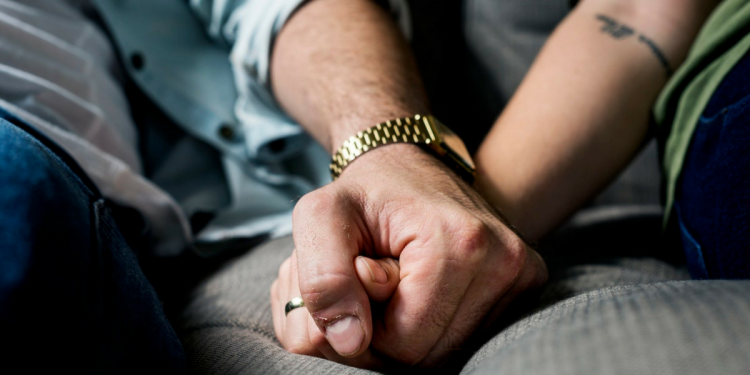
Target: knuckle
516 252
312 204
324 290
511 264
471 241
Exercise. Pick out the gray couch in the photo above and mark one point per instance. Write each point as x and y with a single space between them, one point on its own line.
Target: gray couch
598 315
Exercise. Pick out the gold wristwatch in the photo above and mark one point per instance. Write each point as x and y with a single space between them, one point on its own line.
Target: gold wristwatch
425 131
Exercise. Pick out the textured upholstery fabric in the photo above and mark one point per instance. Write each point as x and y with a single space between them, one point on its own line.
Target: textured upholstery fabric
677 327
597 315
227 328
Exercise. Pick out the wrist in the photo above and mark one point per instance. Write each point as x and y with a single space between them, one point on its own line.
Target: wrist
347 125
423 130
392 159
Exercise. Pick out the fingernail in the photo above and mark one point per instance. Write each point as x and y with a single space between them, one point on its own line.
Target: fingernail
345 335
377 273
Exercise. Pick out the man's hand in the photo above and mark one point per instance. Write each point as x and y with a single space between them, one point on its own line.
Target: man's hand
298 332
459 264
338 67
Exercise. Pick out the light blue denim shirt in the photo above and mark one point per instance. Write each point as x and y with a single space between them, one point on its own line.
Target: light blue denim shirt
205 63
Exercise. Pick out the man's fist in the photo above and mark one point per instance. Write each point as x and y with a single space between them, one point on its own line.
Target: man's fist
297 331
459 264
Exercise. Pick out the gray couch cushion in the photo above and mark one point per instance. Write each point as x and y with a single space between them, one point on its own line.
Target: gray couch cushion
227 327
677 327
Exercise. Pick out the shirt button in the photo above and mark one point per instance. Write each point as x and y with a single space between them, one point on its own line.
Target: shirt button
137 61
226 132
252 71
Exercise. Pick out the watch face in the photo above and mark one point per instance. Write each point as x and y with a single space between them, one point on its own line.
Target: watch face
455 145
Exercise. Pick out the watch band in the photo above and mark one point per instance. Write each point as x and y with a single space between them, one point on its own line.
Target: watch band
414 129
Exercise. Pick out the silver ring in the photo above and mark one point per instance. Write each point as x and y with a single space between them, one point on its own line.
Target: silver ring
293 304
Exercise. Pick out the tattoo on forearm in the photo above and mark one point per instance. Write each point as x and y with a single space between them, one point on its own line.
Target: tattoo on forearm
657 52
614 28
621 31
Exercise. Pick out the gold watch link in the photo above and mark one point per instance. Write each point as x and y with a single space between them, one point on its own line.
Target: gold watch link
420 130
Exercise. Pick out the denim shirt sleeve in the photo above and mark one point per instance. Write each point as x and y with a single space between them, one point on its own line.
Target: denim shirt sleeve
249 27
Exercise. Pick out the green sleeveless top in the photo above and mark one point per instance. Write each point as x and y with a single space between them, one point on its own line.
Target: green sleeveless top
721 43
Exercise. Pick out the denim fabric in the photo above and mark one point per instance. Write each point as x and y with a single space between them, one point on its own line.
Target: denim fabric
713 205
693 251
72 295
221 98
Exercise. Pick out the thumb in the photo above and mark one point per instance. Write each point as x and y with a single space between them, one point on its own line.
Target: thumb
380 277
328 239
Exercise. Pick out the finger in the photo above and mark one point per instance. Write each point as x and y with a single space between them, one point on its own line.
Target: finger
433 282
534 275
299 333
300 339
277 320
380 277
328 236
279 293
436 274
300 322
512 270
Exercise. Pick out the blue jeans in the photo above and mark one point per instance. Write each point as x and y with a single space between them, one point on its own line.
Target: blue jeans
713 205
72 294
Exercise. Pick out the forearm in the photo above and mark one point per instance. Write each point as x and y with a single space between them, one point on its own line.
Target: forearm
340 66
583 110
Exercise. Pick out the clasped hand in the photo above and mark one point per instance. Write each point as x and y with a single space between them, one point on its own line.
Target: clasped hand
397 259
